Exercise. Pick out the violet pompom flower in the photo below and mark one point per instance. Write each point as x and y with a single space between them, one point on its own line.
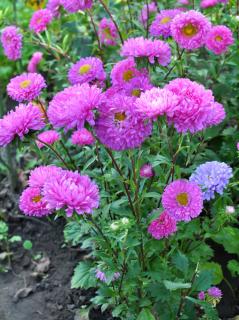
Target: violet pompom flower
72 192
146 48
183 200
49 137
189 29
31 203
19 122
26 87
196 109
54 7
82 137
11 40
34 61
108 33
163 226
73 106
75 5
41 174
146 171
146 12
204 4
40 20
219 38
161 26
119 126
201 295
212 177
89 70
215 292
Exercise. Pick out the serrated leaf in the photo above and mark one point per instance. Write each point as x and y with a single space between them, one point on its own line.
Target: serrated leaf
181 262
145 314
203 281
170 285
83 276
208 309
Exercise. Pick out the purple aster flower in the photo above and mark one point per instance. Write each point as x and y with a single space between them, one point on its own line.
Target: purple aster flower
183 200
201 295
100 275
49 137
163 226
108 33
119 126
54 7
189 29
219 38
19 122
76 5
136 86
11 40
82 137
40 19
146 12
34 61
146 171
212 177
41 174
215 292
26 87
208 3
89 70
161 26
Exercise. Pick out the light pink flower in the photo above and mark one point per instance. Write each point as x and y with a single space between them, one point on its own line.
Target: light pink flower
49 137
219 38
34 61
40 19
41 174
82 137
11 40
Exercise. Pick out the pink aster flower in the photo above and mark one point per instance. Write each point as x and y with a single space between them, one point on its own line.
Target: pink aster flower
19 122
40 19
201 295
189 29
31 203
76 5
136 86
146 12
49 137
147 48
108 33
183 200
82 137
54 7
161 26
41 174
163 226
208 3
119 126
73 106
146 171
26 87
89 70
11 40
34 61
72 192
196 109
219 38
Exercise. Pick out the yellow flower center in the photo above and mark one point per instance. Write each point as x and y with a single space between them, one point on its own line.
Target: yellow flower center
120 116
189 30
36 199
136 92
165 20
218 38
24 84
84 69
182 198
128 75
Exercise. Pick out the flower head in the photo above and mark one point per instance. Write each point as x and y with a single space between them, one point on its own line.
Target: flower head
11 40
41 174
215 292
82 137
201 295
40 19
161 26
219 38
183 200
146 171
100 275
146 12
49 137
212 177
34 61
108 33
163 226
76 5
208 3
26 87
54 7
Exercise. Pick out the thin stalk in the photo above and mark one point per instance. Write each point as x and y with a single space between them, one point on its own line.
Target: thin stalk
69 156
174 65
96 33
130 14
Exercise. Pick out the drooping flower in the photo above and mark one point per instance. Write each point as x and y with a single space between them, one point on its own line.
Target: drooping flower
72 192
189 29
19 122
40 20
119 126
76 5
49 137
183 200
212 177
146 48
161 26
163 226
146 12
146 171
201 295
34 61
219 38
26 87
89 70
11 40
73 106
108 33
82 137
54 7
196 109
100 275
204 4
41 174
215 292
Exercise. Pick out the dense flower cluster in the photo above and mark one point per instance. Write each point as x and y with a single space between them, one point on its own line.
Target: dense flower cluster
108 33
40 20
11 40
163 226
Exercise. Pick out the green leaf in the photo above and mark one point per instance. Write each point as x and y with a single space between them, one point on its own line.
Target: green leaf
203 281
208 309
181 262
170 285
83 276
233 267
145 314
27 245
15 239
229 238
216 270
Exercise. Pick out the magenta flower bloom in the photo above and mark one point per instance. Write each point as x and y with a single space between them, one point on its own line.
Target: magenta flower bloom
146 48
20 122
26 87
208 3
49 137
238 146
189 29
89 70
183 200
219 38
72 192
201 295
40 19
73 106
54 7
136 86
161 26
215 292
41 174
146 171
196 109
163 226
34 61
146 12
11 40
76 5
119 126
31 203
82 137
108 33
